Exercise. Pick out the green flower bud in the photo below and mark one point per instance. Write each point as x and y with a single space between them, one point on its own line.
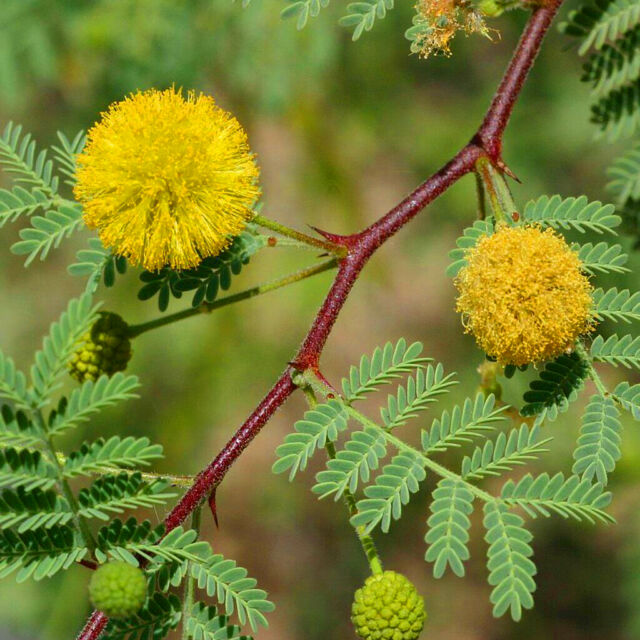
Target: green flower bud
388 607
105 349
118 589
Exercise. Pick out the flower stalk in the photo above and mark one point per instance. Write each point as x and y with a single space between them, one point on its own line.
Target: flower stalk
317 243
266 287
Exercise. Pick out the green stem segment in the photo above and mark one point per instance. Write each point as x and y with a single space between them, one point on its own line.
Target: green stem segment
50 450
138 329
366 541
183 482
582 352
480 192
317 384
330 247
494 185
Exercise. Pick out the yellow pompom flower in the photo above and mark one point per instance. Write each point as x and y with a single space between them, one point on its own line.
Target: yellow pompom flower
524 295
167 180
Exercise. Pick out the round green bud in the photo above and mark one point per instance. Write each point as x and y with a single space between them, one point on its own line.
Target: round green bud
489 8
491 387
118 589
388 607
104 349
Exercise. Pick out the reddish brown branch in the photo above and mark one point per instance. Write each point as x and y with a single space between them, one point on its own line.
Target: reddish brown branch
361 246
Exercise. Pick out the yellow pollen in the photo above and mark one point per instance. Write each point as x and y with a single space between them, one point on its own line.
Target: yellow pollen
167 180
442 19
524 296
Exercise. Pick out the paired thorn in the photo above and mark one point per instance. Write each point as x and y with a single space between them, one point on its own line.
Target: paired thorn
340 241
500 164
214 509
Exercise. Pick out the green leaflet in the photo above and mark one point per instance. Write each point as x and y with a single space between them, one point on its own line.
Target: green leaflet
20 202
506 452
629 398
616 351
468 240
17 431
26 469
392 489
90 398
205 623
97 263
511 570
104 455
233 589
625 177
422 389
449 526
619 306
320 425
556 386
361 16
39 554
115 493
28 167
48 231
13 383
598 447
302 10
65 154
31 510
157 618
212 275
569 497
601 21
360 456
385 365
472 419
58 347
614 65
602 258
572 213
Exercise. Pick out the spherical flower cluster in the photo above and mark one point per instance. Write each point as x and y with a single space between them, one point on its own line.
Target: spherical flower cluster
118 589
167 180
440 20
524 295
104 350
388 607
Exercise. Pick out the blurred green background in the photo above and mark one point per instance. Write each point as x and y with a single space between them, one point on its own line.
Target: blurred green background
342 131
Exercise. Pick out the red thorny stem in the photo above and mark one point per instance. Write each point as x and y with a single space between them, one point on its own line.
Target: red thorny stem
360 247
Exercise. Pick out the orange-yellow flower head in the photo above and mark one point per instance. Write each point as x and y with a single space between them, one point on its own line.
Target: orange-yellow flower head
524 295
440 20
167 180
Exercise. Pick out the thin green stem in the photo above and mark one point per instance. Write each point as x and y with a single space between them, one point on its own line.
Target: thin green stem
482 202
63 484
500 198
438 469
366 540
317 384
291 242
184 482
189 585
597 380
335 249
266 287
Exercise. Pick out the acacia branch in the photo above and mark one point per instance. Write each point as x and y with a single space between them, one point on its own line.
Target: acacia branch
486 142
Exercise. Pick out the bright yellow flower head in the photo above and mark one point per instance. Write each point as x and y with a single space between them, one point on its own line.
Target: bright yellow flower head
524 296
167 180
